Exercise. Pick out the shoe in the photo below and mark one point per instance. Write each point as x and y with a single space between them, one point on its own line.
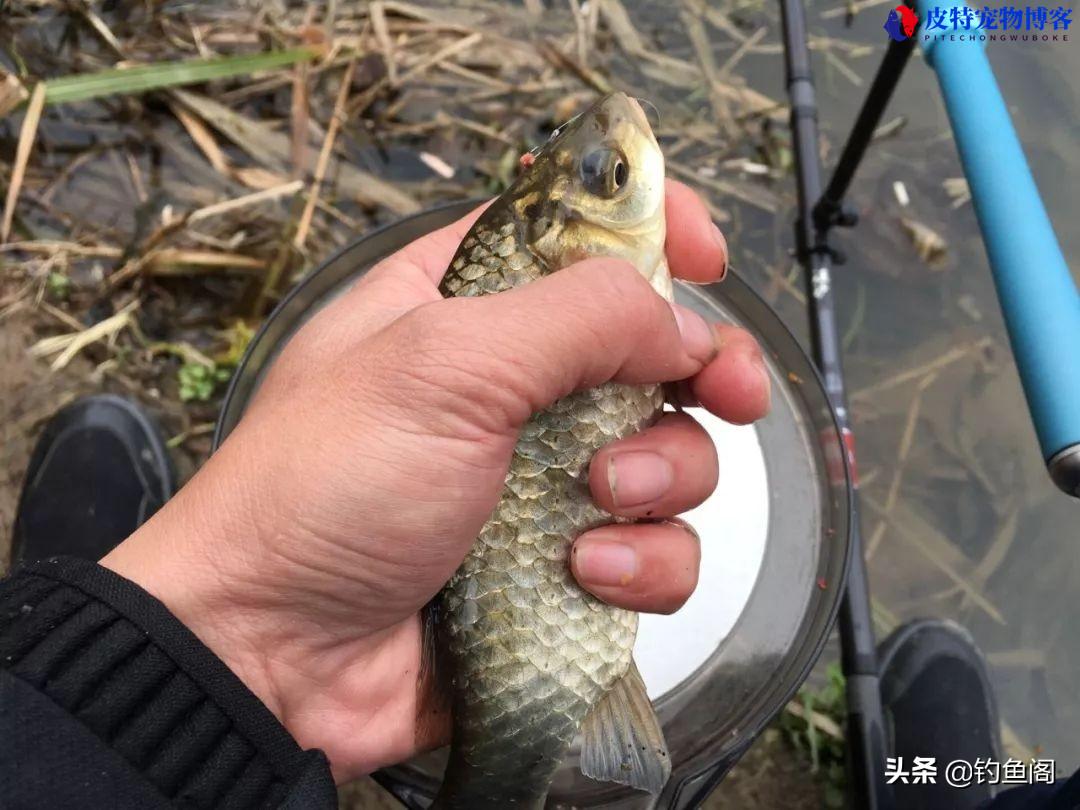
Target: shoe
935 689
99 470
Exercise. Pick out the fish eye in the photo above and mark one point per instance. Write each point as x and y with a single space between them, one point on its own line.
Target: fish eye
604 172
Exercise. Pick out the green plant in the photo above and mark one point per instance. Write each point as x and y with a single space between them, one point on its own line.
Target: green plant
813 724
142 78
198 381
58 286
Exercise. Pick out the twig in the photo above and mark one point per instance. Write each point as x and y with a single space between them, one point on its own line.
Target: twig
740 52
999 549
949 357
695 32
12 92
822 722
272 148
165 261
298 113
136 177
476 77
443 119
72 248
102 30
842 67
71 344
272 193
439 57
759 198
167 258
201 429
202 137
936 548
60 315
906 439
581 37
853 8
721 21
453 49
377 15
22 156
185 351
564 61
324 156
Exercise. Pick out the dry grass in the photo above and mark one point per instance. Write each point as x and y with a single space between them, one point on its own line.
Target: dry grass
232 147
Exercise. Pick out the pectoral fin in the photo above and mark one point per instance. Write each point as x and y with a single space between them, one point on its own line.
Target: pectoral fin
622 739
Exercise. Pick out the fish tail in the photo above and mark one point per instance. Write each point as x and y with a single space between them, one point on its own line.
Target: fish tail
622 740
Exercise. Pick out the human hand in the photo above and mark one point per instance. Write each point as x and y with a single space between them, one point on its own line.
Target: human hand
377 447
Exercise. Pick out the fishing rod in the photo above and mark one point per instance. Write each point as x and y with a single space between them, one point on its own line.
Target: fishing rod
865 737
1038 298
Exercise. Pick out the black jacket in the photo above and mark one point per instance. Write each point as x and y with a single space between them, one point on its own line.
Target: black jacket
108 701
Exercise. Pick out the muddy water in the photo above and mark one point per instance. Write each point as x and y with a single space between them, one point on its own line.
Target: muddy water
977 532
961 519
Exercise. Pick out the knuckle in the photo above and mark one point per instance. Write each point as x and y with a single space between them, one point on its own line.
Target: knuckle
613 291
438 356
624 285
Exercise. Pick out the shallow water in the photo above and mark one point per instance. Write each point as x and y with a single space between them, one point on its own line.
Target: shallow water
959 516
974 507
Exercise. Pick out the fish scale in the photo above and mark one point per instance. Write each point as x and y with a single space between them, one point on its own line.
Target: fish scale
528 650
531 649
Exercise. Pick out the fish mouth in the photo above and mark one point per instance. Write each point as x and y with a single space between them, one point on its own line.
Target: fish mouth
634 112
638 113
616 107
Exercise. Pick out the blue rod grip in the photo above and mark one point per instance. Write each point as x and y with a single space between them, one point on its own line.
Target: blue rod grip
1037 293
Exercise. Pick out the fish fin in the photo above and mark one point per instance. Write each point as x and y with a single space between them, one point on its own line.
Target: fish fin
622 740
429 641
431 685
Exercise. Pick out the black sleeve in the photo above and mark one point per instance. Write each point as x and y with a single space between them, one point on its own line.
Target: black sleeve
107 700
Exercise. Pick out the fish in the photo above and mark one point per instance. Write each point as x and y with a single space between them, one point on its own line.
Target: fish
529 658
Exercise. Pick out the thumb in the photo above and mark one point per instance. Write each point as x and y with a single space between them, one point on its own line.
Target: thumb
592 322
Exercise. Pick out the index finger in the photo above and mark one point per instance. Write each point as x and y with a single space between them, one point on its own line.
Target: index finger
696 250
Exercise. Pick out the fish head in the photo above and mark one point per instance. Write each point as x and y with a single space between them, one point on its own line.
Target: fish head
597 188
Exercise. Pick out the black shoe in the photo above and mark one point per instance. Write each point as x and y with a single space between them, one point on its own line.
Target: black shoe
99 470
938 703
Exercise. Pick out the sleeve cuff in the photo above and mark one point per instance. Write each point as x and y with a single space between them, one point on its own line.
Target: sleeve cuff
117 660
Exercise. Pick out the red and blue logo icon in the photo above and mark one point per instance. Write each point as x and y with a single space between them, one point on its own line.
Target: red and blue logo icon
901 23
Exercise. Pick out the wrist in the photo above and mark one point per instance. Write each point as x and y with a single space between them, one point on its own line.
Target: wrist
184 557
334 684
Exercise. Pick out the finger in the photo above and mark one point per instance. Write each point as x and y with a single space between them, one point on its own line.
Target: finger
695 248
595 321
650 567
401 281
736 385
433 252
660 472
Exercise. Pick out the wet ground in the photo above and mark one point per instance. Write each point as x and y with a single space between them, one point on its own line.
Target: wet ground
959 516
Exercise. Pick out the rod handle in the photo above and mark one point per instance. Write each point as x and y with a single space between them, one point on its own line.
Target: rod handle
1036 291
